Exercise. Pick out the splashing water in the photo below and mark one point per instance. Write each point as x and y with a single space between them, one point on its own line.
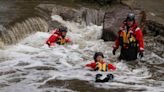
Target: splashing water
31 66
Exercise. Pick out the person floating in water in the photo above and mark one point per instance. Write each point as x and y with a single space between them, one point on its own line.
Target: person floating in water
100 65
58 37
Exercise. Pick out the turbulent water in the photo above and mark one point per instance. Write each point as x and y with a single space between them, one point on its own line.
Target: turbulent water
31 66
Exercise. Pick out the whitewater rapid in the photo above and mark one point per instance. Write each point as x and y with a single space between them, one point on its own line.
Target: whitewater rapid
30 64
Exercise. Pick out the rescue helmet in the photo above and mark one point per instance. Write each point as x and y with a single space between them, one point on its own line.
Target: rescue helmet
97 54
63 29
130 17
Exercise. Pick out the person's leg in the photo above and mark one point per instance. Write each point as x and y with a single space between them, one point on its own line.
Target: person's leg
132 53
128 54
123 54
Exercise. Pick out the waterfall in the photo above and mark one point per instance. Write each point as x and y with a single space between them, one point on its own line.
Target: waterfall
14 33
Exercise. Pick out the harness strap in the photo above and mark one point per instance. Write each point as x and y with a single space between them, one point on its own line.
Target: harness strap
60 41
101 67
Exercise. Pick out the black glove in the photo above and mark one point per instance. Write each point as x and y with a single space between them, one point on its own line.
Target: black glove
108 77
114 51
141 54
48 44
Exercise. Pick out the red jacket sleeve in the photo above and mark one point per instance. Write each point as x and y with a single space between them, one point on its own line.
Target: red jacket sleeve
52 38
117 42
111 67
55 31
139 37
68 40
91 65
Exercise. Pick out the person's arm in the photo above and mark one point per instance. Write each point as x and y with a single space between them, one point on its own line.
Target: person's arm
91 65
68 40
117 41
139 38
51 39
55 31
111 67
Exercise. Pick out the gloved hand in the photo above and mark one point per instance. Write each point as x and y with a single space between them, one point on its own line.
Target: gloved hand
48 44
114 51
141 54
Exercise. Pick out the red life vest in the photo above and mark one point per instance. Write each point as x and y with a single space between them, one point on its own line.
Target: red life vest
132 38
101 66
127 39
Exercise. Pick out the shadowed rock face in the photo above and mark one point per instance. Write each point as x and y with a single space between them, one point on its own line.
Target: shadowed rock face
75 14
113 19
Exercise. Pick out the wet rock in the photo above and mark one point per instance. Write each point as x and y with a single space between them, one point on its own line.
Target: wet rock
154 28
92 16
112 21
75 14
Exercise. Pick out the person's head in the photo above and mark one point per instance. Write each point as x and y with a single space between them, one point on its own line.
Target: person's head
130 19
63 31
98 56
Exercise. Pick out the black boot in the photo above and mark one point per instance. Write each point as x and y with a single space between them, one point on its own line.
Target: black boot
98 78
108 77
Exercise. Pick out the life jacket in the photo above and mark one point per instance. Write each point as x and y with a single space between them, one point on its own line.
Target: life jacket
61 40
101 66
128 39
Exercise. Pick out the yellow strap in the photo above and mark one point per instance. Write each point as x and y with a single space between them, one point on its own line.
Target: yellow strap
101 67
62 41
104 67
126 36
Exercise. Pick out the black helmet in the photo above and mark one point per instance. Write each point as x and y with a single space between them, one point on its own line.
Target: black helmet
63 29
98 54
131 17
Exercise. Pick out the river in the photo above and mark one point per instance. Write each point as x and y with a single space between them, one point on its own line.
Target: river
31 66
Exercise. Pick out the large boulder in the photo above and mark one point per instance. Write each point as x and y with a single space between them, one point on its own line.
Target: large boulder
113 20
